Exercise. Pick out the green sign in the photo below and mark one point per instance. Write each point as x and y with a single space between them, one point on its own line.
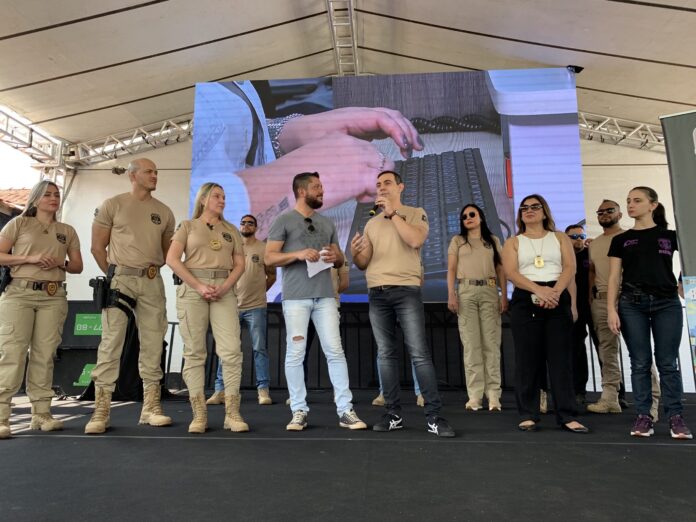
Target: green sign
88 324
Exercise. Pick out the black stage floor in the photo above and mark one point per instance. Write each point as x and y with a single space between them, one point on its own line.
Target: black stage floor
490 471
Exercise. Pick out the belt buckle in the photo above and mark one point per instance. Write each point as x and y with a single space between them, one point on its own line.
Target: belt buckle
151 272
51 288
490 282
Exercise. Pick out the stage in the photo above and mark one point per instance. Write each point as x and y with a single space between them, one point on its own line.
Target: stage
490 471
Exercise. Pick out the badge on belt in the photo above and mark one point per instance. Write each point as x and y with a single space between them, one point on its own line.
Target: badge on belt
151 272
51 288
215 244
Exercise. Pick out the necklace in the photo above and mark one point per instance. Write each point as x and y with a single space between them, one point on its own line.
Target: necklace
538 258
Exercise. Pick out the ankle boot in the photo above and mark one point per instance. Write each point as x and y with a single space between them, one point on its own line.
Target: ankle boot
608 402
102 407
45 422
152 413
217 398
5 432
264 397
200 414
233 419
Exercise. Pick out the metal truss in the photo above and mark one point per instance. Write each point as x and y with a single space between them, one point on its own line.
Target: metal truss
23 137
617 131
342 25
134 141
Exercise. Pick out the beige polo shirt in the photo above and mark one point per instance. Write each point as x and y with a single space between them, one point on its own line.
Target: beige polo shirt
393 261
251 287
208 249
30 237
138 229
474 259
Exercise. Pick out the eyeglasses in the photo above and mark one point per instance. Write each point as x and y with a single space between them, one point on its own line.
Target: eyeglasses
534 207
577 236
603 211
309 222
250 223
471 214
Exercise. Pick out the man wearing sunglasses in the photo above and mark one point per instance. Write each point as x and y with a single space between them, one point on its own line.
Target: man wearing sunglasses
577 236
251 303
389 252
297 239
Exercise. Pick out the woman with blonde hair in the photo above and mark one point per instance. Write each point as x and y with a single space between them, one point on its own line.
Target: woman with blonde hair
38 250
213 263
540 262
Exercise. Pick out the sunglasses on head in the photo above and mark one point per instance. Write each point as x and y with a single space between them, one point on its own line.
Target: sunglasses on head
309 223
248 223
603 211
534 206
577 236
470 214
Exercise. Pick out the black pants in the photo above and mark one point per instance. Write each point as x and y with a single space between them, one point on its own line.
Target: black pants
580 363
542 336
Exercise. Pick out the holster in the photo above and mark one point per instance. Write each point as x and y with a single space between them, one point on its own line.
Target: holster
5 278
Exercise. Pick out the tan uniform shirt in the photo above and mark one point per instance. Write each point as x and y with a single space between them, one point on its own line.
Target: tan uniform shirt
474 259
393 261
138 229
599 256
251 287
29 237
208 249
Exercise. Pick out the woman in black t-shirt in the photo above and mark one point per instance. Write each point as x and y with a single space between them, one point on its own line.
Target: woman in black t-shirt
641 259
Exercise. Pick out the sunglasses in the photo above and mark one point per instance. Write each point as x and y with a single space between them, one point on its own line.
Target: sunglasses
603 211
471 214
577 236
534 207
250 223
309 222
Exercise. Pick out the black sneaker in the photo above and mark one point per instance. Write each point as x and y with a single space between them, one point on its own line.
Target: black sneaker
440 427
389 422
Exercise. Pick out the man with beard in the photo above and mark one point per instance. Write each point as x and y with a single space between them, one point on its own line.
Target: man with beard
300 240
608 216
251 289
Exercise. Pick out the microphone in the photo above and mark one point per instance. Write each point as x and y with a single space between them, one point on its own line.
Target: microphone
373 210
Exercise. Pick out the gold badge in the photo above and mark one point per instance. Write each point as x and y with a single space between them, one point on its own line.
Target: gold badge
151 272
51 288
539 262
215 244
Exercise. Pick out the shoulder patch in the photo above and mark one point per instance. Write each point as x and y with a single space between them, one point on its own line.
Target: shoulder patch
424 217
96 212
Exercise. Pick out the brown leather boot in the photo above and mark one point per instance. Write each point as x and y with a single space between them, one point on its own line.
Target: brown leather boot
101 417
200 414
233 419
152 413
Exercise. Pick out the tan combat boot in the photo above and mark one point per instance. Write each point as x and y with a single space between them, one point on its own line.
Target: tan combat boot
5 432
101 416
233 419
152 413
200 414
420 400
45 422
378 401
608 402
217 398
264 397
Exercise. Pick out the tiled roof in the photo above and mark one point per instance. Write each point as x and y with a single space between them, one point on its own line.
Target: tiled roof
15 197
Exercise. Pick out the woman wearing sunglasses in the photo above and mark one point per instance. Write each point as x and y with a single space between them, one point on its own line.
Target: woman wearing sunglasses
541 264
641 260
474 274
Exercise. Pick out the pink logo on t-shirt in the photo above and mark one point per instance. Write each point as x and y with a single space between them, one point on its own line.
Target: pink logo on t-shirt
665 246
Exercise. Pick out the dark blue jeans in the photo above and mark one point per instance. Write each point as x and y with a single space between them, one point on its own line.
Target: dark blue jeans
405 304
640 314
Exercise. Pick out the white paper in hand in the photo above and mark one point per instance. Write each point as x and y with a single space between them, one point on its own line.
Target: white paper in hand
314 267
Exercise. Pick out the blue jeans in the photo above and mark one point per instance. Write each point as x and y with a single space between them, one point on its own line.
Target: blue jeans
405 304
324 315
416 387
255 320
640 314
